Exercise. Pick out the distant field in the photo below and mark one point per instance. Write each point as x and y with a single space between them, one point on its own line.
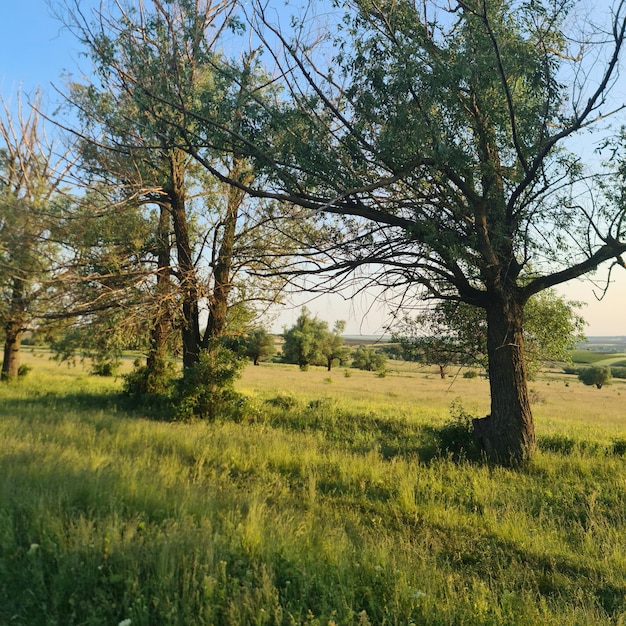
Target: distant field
335 500
591 357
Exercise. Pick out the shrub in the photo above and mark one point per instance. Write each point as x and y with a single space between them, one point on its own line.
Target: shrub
206 390
146 381
369 359
470 374
104 367
283 401
23 370
597 376
456 437
618 372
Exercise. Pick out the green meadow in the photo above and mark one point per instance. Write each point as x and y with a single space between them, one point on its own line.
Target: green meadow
336 498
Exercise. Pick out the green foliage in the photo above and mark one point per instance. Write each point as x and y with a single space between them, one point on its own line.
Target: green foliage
104 367
369 359
618 372
454 332
595 376
23 370
456 437
206 390
310 342
154 380
260 345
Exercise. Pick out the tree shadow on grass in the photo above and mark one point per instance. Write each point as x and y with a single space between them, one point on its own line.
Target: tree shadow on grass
54 404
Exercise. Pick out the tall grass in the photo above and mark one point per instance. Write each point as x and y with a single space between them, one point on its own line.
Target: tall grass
331 503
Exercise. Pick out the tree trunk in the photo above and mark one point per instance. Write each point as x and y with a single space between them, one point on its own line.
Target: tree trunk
12 340
508 434
162 321
187 271
223 266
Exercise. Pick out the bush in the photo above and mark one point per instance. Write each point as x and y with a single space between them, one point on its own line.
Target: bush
104 367
470 374
618 372
149 381
23 370
597 376
283 401
456 437
369 359
206 390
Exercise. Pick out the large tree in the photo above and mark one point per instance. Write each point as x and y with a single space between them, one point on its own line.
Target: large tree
439 139
146 55
456 333
33 182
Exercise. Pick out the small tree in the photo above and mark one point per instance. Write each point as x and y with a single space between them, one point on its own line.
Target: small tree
597 376
333 347
303 341
369 359
260 345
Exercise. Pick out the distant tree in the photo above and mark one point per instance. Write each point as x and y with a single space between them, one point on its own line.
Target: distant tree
598 376
260 345
304 341
369 359
333 347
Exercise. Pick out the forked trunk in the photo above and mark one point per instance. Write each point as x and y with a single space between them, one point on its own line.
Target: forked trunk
508 434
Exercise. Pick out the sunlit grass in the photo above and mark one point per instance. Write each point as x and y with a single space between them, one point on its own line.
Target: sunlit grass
327 504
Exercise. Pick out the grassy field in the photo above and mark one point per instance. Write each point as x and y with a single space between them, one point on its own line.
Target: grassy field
332 502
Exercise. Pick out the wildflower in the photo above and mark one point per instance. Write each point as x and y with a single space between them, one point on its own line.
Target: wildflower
125 622
33 548
416 595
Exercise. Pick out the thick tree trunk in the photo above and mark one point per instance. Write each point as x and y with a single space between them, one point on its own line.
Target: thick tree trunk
12 340
187 271
508 434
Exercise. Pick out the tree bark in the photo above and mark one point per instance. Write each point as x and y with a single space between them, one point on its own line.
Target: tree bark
223 266
187 271
507 435
13 331
12 340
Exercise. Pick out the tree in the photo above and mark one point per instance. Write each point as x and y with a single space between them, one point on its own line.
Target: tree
453 332
598 376
260 345
304 341
333 347
32 198
369 359
438 139
209 235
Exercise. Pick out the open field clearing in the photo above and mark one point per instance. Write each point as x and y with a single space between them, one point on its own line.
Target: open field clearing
332 501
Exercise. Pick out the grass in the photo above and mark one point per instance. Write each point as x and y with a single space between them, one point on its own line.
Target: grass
333 502
591 357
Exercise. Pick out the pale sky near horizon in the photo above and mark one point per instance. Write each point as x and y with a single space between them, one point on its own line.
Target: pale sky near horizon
36 51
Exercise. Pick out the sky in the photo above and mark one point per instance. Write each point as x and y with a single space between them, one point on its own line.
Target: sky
35 51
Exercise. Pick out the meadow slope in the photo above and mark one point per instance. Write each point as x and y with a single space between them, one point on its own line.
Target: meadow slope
334 500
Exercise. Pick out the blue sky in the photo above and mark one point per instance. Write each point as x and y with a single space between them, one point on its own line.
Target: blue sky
34 48
35 51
